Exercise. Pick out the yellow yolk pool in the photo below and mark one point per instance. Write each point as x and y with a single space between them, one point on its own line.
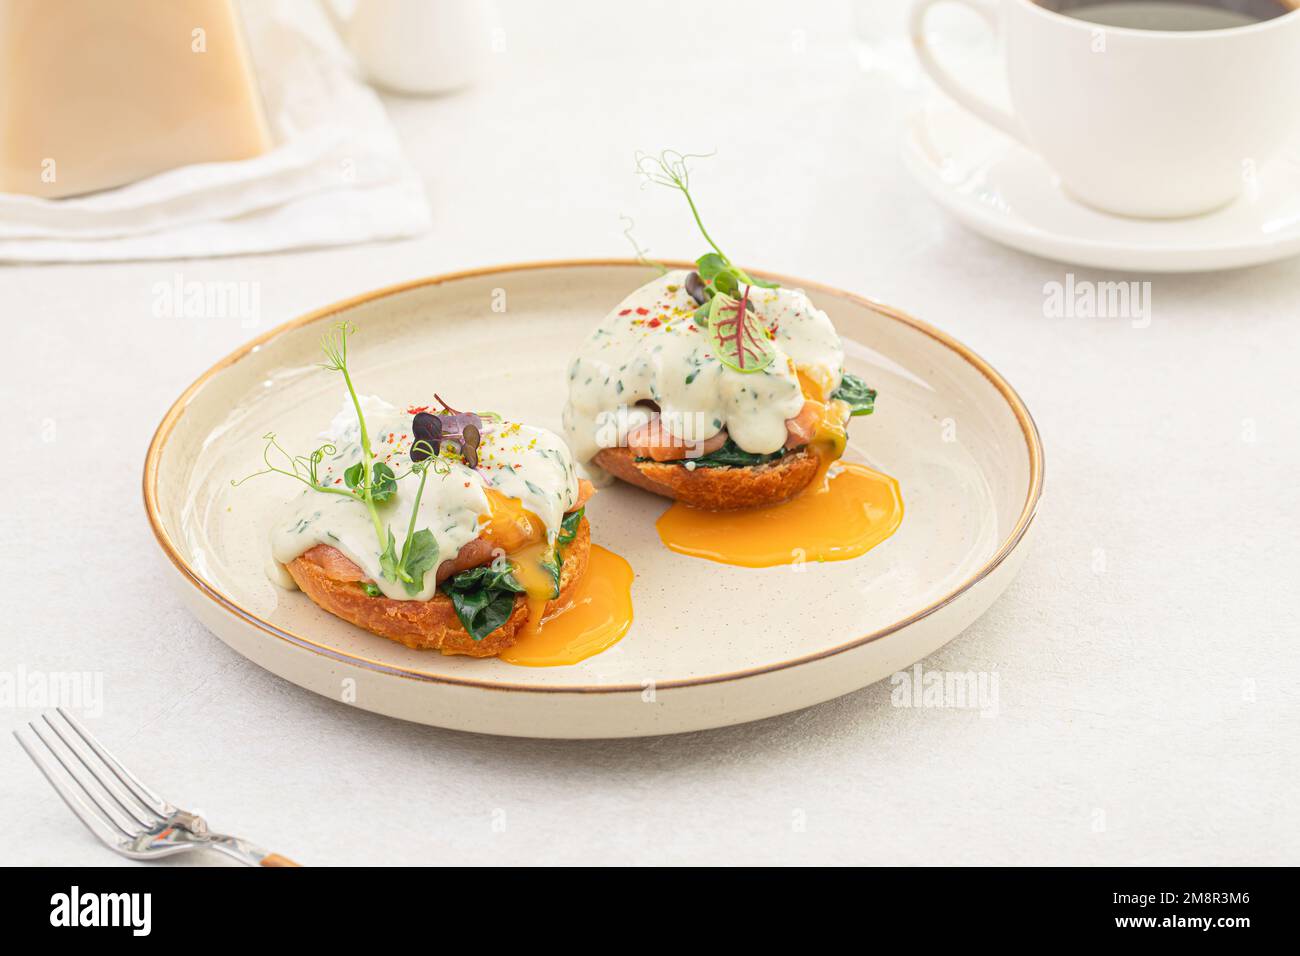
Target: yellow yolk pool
595 618
846 511
598 612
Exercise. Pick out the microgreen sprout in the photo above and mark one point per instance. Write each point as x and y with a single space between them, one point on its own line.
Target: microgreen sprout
641 256
372 482
419 549
368 482
302 468
740 339
672 169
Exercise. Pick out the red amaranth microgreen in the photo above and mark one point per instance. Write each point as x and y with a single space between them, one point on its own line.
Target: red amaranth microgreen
740 339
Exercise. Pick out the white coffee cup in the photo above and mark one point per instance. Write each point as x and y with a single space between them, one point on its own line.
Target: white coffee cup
1145 123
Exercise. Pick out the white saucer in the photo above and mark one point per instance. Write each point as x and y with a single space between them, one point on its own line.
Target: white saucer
1002 190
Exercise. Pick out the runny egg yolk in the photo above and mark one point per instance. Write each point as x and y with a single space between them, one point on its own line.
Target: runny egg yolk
508 524
596 617
598 609
814 384
845 511
521 535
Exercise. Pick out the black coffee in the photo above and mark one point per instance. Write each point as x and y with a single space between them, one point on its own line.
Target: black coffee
1172 14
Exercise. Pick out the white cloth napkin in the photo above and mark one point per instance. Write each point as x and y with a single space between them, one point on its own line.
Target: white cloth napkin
335 176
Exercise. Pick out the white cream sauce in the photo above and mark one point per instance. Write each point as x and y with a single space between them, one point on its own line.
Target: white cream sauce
529 464
649 347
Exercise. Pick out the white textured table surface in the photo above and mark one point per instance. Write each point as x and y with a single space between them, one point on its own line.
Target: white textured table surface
1146 657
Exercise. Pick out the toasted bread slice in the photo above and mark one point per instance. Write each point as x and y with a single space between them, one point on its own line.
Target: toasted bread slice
716 489
432 624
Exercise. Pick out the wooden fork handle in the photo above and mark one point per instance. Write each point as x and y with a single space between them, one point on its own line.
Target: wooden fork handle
275 859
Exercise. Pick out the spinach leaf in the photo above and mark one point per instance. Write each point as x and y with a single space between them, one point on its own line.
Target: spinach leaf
569 526
853 391
483 597
554 567
730 455
554 564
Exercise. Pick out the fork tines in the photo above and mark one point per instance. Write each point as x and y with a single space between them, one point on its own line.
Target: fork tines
105 796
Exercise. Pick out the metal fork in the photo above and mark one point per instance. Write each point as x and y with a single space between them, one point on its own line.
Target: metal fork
122 812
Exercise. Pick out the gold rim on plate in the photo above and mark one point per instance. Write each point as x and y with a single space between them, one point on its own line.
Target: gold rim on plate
1033 445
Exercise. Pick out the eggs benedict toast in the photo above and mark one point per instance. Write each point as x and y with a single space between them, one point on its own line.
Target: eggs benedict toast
710 386
437 528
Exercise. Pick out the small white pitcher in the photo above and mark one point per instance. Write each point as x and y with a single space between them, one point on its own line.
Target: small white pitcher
417 46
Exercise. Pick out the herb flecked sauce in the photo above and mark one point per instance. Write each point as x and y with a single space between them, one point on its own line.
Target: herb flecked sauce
649 348
529 464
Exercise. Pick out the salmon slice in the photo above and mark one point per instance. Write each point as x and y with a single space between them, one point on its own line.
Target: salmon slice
339 567
654 440
336 565
800 429
585 490
476 552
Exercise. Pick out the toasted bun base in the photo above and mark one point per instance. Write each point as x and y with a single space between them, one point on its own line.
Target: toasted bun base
432 625
716 489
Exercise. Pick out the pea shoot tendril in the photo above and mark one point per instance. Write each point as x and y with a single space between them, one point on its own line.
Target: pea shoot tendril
741 340
368 482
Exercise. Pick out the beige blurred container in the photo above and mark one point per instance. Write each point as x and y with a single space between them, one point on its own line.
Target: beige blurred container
97 94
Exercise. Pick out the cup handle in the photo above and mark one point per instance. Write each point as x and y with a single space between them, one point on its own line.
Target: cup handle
993 115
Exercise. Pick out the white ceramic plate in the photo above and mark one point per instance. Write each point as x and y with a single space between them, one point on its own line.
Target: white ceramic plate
711 644
1002 190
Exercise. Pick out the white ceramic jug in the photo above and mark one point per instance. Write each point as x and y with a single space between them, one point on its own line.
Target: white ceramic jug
417 46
